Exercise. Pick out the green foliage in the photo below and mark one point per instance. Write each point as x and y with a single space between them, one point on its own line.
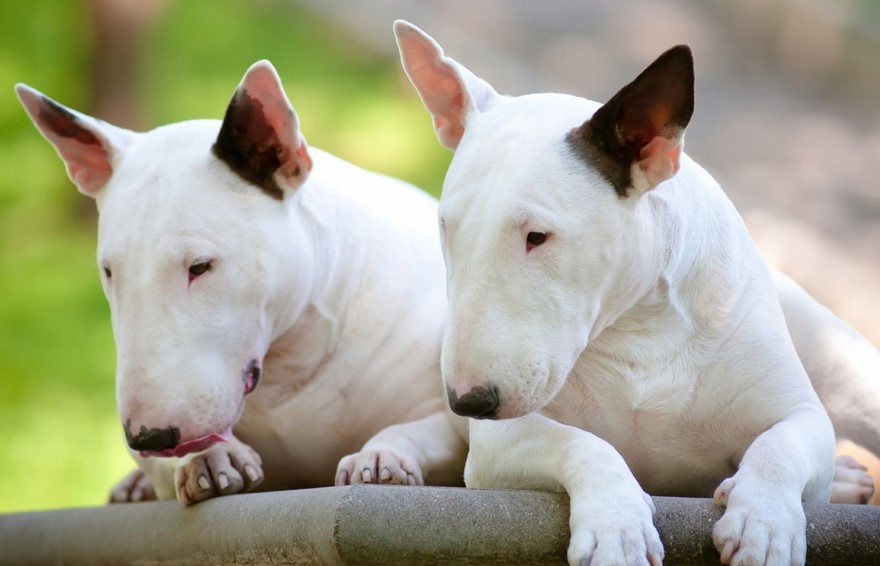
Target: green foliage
61 441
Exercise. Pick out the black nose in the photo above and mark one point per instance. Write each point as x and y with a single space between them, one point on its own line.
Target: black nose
479 403
152 439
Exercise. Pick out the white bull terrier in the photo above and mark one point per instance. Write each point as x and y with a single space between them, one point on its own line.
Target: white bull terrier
611 326
228 261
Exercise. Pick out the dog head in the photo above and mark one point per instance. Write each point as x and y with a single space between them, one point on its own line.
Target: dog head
194 238
543 219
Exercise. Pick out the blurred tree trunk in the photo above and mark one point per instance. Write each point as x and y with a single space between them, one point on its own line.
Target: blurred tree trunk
118 27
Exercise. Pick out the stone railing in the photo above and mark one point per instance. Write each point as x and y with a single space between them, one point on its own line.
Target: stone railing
383 525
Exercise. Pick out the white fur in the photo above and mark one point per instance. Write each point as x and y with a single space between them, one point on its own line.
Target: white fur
337 291
642 347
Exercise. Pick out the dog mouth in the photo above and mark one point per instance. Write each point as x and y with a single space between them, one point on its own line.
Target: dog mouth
250 377
190 446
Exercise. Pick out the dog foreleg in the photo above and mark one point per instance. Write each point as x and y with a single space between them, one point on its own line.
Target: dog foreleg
409 454
611 517
789 463
223 469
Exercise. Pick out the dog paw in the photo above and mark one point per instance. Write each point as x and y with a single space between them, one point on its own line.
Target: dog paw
759 527
223 469
133 488
852 484
378 466
615 531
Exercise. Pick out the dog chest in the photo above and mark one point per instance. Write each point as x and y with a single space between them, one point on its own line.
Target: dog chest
658 420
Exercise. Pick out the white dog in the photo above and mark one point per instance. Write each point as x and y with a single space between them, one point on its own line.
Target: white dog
226 261
611 324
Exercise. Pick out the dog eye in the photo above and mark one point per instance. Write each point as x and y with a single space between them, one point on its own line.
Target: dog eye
534 239
199 268
107 273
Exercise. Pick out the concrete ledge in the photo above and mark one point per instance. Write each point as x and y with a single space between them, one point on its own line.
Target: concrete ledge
383 525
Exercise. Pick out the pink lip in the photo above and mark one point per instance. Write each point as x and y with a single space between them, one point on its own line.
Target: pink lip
194 445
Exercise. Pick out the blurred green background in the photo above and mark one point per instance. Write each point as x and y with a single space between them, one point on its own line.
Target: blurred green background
60 442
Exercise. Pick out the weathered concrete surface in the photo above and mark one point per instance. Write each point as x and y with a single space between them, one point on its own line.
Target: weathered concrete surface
295 527
837 535
383 525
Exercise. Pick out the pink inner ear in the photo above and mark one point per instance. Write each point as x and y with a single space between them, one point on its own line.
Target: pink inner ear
441 90
660 159
262 84
297 163
448 112
91 155
276 112
88 162
303 157
438 85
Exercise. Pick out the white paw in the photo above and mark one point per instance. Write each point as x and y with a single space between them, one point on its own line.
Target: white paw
851 484
133 488
223 469
378 466
759 527
614 530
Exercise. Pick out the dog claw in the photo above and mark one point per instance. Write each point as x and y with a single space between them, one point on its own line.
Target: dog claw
378 467
727 552
848 461
134 487
852 484
251 473
222 469
722 492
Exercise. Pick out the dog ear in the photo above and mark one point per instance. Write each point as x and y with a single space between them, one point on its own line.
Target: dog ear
637 137
88 146
260 138
449 91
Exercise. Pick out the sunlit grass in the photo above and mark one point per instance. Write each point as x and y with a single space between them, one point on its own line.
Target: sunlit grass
61 433
67 449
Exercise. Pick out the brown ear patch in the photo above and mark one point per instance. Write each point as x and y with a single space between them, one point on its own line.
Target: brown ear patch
585 147
62 123
659 102
249 145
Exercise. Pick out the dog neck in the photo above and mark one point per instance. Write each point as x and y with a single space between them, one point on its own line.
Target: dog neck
691 280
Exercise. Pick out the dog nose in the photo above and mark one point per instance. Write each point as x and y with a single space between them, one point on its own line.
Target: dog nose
152 439
478 403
